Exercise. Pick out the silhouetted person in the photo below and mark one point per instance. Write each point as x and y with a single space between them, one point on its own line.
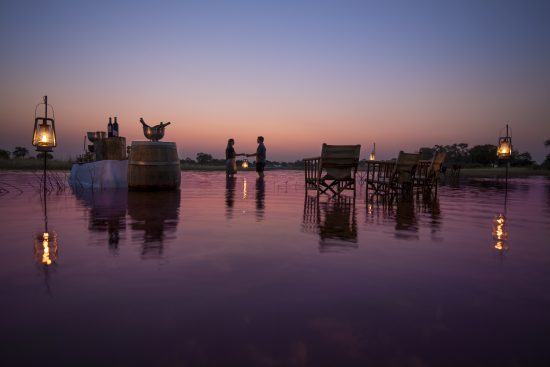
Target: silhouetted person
230 158
260 156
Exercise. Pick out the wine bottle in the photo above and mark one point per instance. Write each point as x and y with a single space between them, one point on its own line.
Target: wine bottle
110 128
115 127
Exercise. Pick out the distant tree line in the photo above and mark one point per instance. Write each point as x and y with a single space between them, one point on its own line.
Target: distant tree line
205 159
459 153
484 155
477 156
21 153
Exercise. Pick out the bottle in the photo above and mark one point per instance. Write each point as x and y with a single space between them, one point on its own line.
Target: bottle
115 128
110 128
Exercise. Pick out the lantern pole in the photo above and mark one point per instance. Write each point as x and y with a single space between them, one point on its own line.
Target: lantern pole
45 167
507 164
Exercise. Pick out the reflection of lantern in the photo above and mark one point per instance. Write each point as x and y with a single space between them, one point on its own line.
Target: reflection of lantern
500 232
44 131
504 150
245 163
245 189
45 248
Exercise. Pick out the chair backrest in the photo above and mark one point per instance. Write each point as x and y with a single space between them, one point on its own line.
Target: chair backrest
437 162
405 165
340 160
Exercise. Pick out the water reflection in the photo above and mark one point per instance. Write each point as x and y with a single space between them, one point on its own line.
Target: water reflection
230 184
432 208
155 216
334 221
406 225
245 189
500 233
260 198
45 248
107 213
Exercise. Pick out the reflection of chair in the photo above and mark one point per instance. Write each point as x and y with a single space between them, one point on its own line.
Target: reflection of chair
406 226
427 173
334 171
392 178
335 222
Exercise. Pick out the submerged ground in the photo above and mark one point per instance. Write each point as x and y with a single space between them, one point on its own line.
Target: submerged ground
243 273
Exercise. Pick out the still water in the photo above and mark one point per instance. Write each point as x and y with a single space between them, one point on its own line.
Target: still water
245 273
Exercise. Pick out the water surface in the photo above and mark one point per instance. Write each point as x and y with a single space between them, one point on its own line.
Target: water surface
242 272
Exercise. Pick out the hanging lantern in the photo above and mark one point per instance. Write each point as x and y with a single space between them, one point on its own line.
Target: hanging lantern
245 163
44 130
500 232
504 150
372 156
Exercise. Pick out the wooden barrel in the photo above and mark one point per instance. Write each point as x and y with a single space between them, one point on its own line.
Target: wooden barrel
153 165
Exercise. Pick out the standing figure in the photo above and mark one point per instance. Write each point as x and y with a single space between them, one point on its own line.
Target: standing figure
230 156
260 156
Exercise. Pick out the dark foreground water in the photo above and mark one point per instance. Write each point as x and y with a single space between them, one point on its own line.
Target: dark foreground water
249 274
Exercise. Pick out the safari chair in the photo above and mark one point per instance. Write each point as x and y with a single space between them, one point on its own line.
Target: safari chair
392 178
405 168
427 173
334 171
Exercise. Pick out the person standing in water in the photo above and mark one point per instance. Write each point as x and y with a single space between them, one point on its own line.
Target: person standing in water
260 157
230 156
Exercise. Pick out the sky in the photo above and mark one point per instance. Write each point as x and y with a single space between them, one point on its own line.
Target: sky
403 74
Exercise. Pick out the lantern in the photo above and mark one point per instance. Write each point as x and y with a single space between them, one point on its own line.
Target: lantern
44 130
504 150
373 153
245 163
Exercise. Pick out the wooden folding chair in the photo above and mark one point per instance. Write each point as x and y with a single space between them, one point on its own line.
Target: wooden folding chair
334 171
390 179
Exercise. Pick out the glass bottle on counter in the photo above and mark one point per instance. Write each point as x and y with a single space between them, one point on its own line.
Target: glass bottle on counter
110 128
115 127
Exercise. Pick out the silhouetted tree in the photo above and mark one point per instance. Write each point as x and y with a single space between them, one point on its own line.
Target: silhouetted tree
546 163
204 158
41 155
521 159
20 152
483 154
4 154
456 153
426 153
188 161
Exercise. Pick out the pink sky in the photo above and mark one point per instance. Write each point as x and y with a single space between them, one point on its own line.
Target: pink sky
296 74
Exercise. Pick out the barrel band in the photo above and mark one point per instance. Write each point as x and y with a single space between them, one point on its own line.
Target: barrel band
142 163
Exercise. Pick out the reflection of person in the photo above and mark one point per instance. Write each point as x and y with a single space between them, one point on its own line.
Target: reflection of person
260 156
260 198
230 155
230 182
